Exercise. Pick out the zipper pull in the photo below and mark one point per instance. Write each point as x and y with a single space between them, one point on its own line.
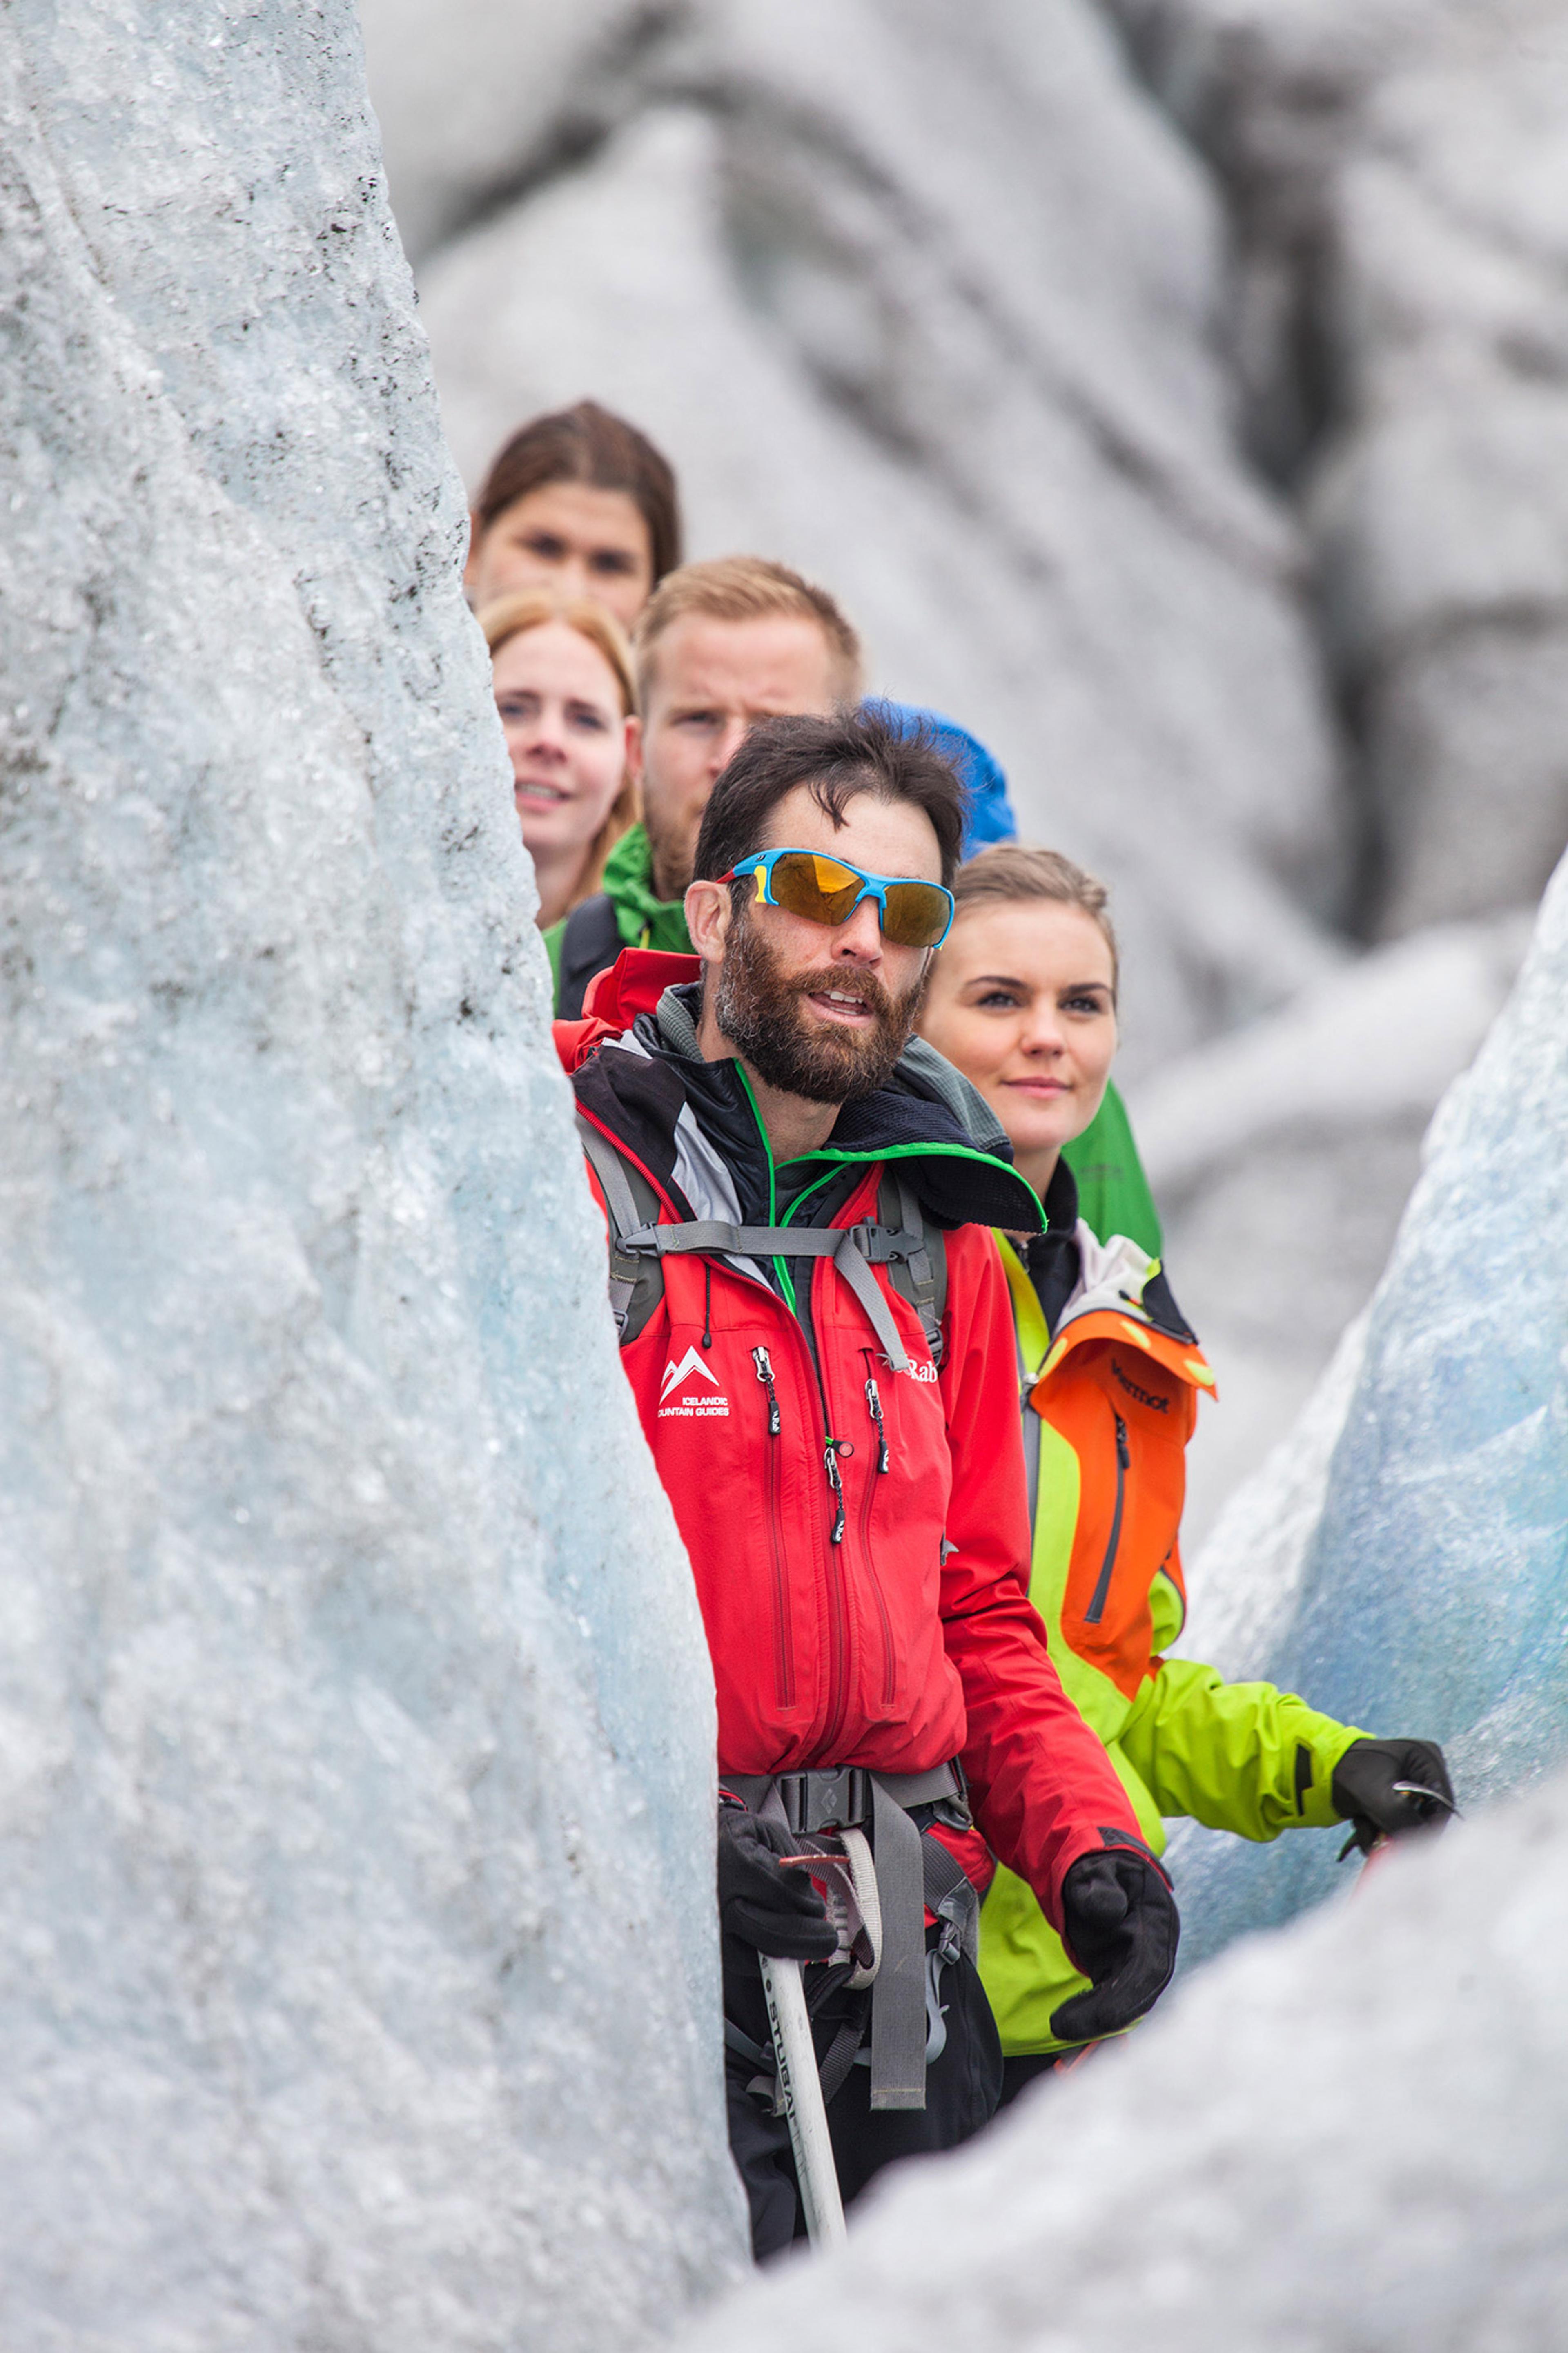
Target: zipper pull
763 1364
874 1400
830 1463
1123 1456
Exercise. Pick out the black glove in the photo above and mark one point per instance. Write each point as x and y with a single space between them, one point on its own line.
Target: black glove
761 1904
1363 1788
1120 1924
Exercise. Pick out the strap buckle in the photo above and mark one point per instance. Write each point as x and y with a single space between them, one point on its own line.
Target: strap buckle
837 1799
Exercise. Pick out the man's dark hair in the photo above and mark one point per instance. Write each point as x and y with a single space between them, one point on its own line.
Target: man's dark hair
590 444
853 752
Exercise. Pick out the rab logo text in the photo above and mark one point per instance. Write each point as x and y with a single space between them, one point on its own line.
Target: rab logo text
698 1408
926 1372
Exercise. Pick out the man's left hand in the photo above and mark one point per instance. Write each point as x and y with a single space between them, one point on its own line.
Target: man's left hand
1120 1924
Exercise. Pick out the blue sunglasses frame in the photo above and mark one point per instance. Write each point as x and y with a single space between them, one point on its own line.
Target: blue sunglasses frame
872 886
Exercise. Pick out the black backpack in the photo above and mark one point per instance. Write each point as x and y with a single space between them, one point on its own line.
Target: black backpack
589 944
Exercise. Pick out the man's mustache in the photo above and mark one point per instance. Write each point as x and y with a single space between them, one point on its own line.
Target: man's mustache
864 987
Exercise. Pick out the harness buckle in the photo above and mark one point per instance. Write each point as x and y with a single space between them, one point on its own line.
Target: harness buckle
837 1799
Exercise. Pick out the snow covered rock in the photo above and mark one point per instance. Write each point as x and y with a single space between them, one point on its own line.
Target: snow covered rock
1396 173
1348 2135
1427 1594
926 304
1282 1157
357 1970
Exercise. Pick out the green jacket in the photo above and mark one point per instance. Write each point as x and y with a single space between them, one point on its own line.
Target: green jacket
643 921
1245 1757
1113 1193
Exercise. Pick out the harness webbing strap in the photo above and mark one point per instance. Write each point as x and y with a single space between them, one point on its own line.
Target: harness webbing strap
844 1798
1032 1460
898 1997
918 1258
853 1250
637 1242
1031 1430
837 1797
625 1215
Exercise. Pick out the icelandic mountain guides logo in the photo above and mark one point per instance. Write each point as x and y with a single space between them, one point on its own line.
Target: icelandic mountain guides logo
689 1409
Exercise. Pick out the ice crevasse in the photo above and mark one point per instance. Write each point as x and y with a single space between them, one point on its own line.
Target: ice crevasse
357 1953
1349 2132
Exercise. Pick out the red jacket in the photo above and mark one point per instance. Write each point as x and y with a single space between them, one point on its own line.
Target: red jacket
906 1638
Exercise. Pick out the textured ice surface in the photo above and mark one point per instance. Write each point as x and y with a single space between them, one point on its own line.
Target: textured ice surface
1430 1592
1396 173
1344 2139
1282 1157
356 1957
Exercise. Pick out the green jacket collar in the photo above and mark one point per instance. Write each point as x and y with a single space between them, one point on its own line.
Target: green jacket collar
641 920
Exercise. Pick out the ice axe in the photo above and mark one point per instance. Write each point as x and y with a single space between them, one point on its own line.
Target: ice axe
800 2096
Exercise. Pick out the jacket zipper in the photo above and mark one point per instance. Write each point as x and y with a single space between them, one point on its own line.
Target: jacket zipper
830 1463
764 1363
784 1656
837 1605
1096 1609
884 1465
874 1399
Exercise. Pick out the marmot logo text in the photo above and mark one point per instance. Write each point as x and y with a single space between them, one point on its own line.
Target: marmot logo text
1145 1396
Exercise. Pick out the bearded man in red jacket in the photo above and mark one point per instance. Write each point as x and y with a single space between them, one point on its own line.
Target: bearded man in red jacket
817 1331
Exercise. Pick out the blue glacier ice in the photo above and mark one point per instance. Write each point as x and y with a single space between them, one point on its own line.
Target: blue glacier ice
1402 1561
358 1969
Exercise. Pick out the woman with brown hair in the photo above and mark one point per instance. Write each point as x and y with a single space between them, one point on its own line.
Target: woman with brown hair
579 503
563 678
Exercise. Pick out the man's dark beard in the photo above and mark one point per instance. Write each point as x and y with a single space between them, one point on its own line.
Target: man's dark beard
761 1013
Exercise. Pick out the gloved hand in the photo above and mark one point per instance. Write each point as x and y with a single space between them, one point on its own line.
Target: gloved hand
761 1904
1120 1924
1363 1788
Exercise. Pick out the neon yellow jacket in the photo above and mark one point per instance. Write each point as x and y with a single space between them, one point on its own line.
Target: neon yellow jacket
1116 1396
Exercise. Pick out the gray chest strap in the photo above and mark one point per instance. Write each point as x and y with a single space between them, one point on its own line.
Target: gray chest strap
854 1250
636 1240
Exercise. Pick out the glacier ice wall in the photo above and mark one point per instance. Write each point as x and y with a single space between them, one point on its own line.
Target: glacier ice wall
356 1951
1350 2134
926 302
1282 1155
1427 1593
1395 171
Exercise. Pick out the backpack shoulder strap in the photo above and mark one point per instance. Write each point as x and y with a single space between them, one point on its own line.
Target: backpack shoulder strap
636 1283
589 944
916 1265
914 1253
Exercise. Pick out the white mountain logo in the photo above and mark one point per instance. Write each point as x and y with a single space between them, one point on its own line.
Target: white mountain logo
675 1374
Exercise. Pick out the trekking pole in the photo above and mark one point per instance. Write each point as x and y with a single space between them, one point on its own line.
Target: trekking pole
800 2091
